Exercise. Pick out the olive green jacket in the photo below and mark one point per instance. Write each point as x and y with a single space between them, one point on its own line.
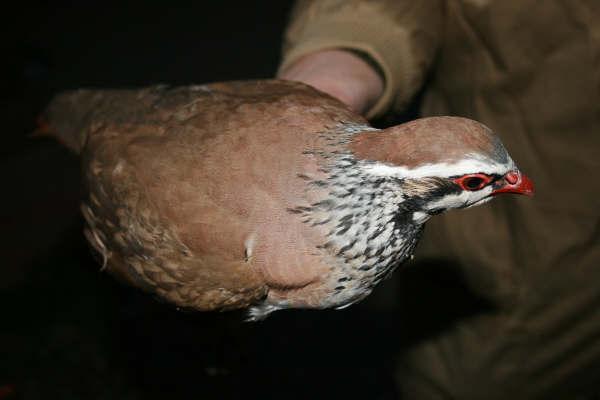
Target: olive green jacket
530 70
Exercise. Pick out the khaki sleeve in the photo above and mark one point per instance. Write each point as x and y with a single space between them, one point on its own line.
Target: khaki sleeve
400 36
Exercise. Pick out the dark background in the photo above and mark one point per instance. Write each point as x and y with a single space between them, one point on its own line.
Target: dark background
68 331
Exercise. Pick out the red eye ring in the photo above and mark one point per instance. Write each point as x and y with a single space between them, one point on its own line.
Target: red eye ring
473 182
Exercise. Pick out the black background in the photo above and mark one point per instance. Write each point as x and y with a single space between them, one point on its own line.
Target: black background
68 331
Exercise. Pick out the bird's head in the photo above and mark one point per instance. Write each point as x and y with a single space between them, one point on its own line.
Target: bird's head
441 163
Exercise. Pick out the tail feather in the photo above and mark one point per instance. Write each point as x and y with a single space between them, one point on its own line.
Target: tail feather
66 118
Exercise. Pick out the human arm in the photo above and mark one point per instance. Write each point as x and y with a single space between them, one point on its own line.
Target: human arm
372 55
340 73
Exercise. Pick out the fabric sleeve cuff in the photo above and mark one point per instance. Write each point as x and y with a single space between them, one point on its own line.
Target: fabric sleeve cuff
387 46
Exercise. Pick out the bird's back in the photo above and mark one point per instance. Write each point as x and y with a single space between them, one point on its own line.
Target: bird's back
189 187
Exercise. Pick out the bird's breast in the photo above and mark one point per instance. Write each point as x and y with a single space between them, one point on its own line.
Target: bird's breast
363 233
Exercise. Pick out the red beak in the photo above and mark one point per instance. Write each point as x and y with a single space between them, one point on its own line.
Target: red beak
515 182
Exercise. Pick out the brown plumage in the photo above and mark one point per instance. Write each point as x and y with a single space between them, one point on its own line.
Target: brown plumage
263 193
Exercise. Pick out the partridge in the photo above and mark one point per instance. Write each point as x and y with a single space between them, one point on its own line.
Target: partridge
268 194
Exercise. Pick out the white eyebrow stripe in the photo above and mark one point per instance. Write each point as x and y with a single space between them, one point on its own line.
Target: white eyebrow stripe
465 166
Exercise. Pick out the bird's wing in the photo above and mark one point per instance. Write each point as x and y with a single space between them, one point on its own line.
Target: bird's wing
139 241
182 182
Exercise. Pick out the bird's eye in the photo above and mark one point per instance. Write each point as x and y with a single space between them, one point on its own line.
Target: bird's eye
473 182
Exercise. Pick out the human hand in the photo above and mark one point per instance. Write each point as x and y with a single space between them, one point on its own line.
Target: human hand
341 74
